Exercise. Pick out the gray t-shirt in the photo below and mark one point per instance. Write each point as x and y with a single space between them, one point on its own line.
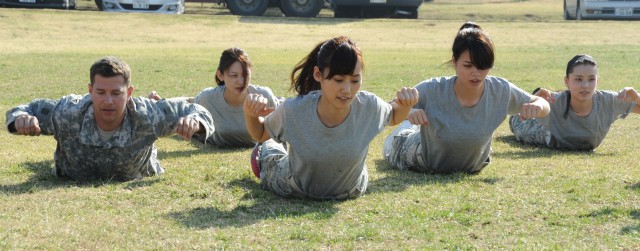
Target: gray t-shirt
584 133
230 128
459 138
326 161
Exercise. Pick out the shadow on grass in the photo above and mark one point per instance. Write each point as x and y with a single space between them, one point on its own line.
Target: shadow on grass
614 212
399 180
257 205
632 229
635 187
635 214
602 212
523 151
198 150
44 179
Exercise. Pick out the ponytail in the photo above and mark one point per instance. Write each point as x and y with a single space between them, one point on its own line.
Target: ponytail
304 82
566 110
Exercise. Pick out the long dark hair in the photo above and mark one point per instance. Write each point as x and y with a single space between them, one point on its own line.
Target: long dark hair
473 38
338 55
230 56
580 59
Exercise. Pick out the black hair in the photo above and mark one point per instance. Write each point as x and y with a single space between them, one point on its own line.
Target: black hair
580 59
336 56
471 37
230 56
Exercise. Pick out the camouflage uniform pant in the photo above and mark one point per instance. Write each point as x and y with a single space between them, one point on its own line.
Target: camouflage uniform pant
403 148
278 178
530 131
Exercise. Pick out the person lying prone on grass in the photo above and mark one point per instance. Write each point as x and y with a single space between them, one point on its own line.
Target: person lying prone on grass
108 134
315 145
580 116
451 127
224 102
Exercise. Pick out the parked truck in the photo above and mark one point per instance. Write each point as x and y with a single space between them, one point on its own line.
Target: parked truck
311 8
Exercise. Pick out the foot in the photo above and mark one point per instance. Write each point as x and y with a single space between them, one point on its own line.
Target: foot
255 160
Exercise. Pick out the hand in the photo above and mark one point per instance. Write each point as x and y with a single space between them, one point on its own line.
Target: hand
628 94
529 111
187 127
407 97
418 117
255 105
27 125
549 96
154 95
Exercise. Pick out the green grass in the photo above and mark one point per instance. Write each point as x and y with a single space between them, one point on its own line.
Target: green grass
528 198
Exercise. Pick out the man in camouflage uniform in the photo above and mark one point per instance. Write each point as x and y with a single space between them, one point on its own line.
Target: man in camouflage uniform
107 134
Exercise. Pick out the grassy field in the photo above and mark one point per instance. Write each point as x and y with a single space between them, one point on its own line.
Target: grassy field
528 198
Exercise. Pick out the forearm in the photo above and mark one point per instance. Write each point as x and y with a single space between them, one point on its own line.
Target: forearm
255 127
542 103
636 108
400 113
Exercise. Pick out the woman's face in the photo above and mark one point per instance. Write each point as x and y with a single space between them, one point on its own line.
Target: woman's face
340 90
467 73
234 78
582 82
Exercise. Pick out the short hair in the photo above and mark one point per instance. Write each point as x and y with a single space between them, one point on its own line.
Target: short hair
110 66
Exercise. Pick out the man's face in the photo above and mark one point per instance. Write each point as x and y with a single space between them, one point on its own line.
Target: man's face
110 96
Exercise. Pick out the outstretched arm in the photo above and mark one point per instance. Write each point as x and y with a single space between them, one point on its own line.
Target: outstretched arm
32 119
187 127
255 108
629 94
537 108
405 99
547 95
156 96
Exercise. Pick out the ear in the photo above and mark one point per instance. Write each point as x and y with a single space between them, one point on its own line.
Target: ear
219 75
130 91
566 81
90 88
317 74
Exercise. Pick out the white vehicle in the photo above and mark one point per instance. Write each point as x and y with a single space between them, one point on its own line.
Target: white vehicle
150 6
601 9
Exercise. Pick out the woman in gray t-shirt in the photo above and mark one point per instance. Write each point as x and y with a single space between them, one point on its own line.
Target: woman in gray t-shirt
451 128
224 102
581 115
327 128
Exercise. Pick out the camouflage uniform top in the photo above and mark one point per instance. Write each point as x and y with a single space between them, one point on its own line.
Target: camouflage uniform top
129 154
